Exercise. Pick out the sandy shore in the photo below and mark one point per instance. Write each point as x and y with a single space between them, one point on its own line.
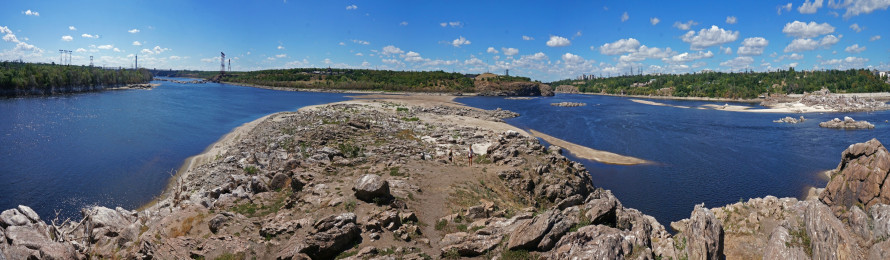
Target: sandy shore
588 153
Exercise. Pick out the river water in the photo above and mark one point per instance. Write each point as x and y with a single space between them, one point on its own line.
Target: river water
701 156
118 148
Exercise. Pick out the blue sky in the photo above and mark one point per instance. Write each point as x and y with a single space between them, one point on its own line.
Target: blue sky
544 40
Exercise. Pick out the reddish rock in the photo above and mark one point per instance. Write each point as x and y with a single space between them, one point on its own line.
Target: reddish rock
860 178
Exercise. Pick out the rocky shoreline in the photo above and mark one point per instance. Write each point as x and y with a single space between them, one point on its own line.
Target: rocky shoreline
381 178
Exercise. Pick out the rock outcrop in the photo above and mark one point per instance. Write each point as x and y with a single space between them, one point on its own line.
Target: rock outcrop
861 178
790 120
567 89
371 187
847 123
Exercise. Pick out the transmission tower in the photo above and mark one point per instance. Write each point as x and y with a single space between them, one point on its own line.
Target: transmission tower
222 63
137 63
61 54
230 65
91 60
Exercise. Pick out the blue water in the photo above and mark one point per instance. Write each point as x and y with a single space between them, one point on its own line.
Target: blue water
710 156
118 148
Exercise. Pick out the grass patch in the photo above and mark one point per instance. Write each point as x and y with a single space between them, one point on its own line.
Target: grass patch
516 255
349 205
260 210
441 224
350 150
230 256
346 254
407 134
583 220
462 227
410 119
251 170
800 238
186 226
394 171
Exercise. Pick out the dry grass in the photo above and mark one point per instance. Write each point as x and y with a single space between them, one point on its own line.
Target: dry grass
186 226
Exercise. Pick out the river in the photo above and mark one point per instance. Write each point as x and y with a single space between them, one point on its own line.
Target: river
119 148
701 156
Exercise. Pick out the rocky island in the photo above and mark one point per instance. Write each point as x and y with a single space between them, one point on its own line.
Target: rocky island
847 123
388 177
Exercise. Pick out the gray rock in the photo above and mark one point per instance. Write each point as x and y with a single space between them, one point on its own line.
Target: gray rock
880 213
777 247
371 186
278 181
218 222
704 235
847 123
330 236
858 222
475 244
596 242
12 217
529 234
258 184
879 251
28 212
829 239
573 200
601 207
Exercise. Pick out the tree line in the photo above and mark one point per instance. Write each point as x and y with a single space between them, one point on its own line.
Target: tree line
21 76
735 85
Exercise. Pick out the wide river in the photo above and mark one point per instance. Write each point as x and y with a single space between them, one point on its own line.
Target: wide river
701 156
118 148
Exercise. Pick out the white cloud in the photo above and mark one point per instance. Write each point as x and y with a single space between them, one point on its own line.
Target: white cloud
137 43
359 54
105 47
645 52
687 57
67 38
572 58
342 44
80 50
557 41
855 27
536 56
848 62
855 48
731 19
460 41
829 40
155 50
726 50
403 23
117 50
72 28
390 50
351 7
527 38
654 20
283 55
621 46
795 56
810 8
207 60
280 47
802 45
31 13
361 42
685 26
510 51
786 7
874 38
709 37
624 17
413 57
809 44
752 46
174 57
807 30
86 35
133 31
452 24
738 62
491 50
857 7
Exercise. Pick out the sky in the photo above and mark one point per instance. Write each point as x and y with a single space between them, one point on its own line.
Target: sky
544 40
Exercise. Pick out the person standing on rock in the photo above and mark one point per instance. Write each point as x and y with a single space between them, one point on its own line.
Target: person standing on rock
451 156
470 155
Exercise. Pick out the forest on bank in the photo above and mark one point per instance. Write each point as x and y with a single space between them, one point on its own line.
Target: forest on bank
21 76
735 85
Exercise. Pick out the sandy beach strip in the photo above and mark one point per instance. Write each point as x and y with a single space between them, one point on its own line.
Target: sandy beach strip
787 108
590 154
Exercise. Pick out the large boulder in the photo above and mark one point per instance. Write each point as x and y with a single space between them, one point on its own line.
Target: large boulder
704 235
475 244
829 238
598 242
860 178
528 235
329 237
778 246
370 187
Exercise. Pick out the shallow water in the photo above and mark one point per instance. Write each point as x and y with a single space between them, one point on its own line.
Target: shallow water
119 148
702 156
